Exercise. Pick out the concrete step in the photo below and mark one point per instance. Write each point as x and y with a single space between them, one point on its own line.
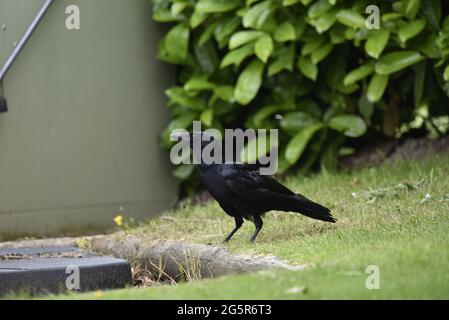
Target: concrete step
56 269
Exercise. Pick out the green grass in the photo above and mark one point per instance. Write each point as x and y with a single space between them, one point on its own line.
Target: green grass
405 236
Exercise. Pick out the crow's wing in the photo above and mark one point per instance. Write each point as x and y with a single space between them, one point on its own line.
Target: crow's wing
246 182
248 185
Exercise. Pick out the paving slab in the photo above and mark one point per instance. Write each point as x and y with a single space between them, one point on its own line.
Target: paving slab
55 269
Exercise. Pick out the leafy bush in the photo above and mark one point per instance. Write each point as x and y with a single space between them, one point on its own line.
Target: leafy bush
311 68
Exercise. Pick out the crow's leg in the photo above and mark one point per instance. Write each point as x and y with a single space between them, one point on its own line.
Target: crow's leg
238 224
258 223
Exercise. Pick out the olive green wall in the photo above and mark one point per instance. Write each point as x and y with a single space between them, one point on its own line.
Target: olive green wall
80 140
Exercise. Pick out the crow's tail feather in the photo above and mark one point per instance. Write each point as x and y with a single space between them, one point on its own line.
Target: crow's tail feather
301 204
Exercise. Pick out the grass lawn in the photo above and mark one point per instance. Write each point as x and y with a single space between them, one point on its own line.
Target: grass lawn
384 219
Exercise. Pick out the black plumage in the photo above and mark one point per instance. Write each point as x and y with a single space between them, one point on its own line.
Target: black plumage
245 194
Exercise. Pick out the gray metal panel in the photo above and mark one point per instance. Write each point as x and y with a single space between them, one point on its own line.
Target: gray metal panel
86 107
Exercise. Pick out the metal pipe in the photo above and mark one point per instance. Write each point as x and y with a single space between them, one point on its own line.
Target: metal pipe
25 38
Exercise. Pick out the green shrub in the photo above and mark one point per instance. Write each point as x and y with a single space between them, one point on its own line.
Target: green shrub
308 67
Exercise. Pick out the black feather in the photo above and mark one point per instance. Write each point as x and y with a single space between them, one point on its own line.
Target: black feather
244 194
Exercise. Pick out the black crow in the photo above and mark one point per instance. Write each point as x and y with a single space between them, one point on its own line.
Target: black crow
243 193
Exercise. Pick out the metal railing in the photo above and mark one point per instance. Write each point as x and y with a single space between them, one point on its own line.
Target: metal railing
19 46
13 56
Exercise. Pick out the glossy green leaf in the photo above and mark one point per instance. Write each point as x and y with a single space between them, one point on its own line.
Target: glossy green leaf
396 61
237 56
347 89
284 61
446 73
243 37
264 47
391 16
258 14
376 87
298 143
325 22
207 116
376 42
411 7
179 96
174 46
216 6
225 93
358 74
350 33
163 13
197 18
411 29
198 83
249 82
286 3
308 68
207 34
285 32
319 8
321 53
178 7
349 125
351 19
225 28
293 121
